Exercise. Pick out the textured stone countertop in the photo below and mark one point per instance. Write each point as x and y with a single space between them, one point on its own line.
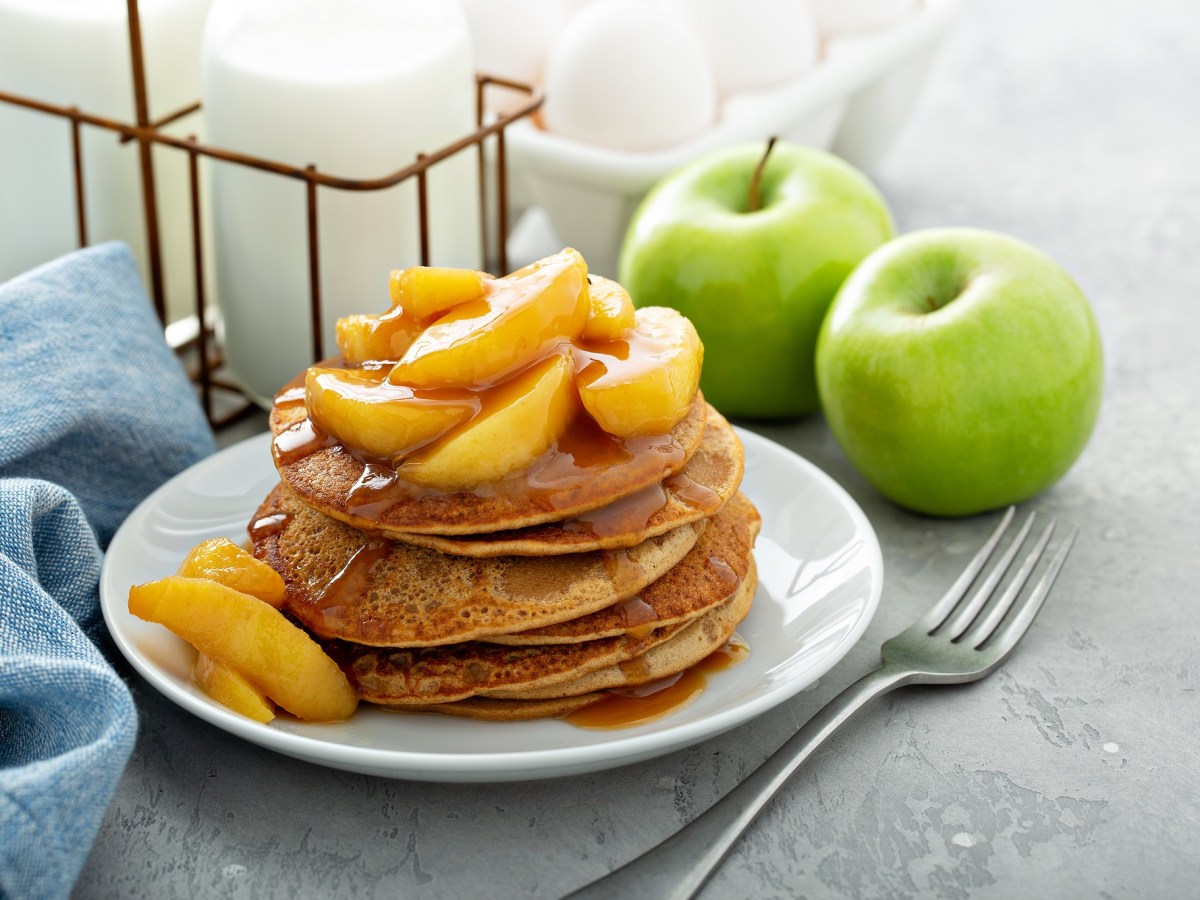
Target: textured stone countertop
1072 772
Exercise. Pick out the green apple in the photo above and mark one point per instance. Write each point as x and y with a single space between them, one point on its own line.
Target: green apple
960 370
755 278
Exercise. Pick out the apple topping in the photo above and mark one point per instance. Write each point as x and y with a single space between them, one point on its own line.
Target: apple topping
381 419
610 312
231 688
220 559
520 420
425 291
490 373
645 383
363 339
255 640
519 320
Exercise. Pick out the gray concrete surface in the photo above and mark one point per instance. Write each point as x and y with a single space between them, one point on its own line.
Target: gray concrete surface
1070 773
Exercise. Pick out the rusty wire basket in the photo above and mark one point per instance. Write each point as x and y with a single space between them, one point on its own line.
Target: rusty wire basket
147 132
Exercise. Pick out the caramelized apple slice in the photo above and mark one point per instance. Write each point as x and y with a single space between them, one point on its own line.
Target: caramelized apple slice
518 321
221 560
362 338
230 688
381 419
250 637
425 291
646 383
520 420
610 315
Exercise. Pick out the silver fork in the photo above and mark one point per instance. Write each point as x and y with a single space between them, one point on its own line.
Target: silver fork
955 642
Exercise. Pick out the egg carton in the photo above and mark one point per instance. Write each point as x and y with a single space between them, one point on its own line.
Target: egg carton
852 103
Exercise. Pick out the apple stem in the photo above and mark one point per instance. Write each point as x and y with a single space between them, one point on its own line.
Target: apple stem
754 201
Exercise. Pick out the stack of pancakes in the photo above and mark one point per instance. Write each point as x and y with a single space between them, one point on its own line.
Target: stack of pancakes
510 604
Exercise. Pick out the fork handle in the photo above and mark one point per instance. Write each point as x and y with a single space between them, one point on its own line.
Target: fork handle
679 866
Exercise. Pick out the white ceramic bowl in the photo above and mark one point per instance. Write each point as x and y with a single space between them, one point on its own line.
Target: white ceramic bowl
852 103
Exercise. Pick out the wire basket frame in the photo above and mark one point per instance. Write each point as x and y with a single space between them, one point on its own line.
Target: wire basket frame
148 133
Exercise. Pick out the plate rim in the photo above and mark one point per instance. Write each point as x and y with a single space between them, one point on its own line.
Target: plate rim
504 765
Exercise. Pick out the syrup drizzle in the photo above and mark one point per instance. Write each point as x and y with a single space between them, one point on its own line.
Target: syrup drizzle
266 526
629 515
298 441
639 618
694 494
290 397
724 572
375 491
622 569
626 707
604 363
348 585
580 454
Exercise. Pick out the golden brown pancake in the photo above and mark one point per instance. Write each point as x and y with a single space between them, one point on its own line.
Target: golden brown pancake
708 480
710 572
397 595
425 675
688 647
562 485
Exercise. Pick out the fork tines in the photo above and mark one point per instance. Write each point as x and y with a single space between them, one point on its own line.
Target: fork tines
974 622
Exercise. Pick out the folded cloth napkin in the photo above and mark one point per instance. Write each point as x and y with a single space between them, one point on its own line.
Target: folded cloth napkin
95 412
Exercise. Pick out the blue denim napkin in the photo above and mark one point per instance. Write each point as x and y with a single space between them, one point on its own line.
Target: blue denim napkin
95 412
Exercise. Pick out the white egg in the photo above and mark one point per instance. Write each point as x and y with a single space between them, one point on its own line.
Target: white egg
838 16
630 76
512 39
752 43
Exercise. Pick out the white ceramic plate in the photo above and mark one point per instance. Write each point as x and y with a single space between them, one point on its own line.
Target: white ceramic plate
820 575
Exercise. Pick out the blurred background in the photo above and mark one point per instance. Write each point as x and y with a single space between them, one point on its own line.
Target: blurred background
633 88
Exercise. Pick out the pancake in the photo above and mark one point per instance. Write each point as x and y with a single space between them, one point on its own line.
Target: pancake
706 577
431 675
708 480
589 470
688 647
397 595
421 676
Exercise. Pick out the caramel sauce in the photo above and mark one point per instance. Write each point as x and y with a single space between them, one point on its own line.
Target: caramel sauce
732 653
630 515
290 397
580 453
376 490
266 526
725 572
639 618
626 707
348 585
695 495
604 363
622 570
298 441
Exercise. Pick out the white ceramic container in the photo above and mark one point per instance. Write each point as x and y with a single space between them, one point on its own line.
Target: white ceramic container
853 103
